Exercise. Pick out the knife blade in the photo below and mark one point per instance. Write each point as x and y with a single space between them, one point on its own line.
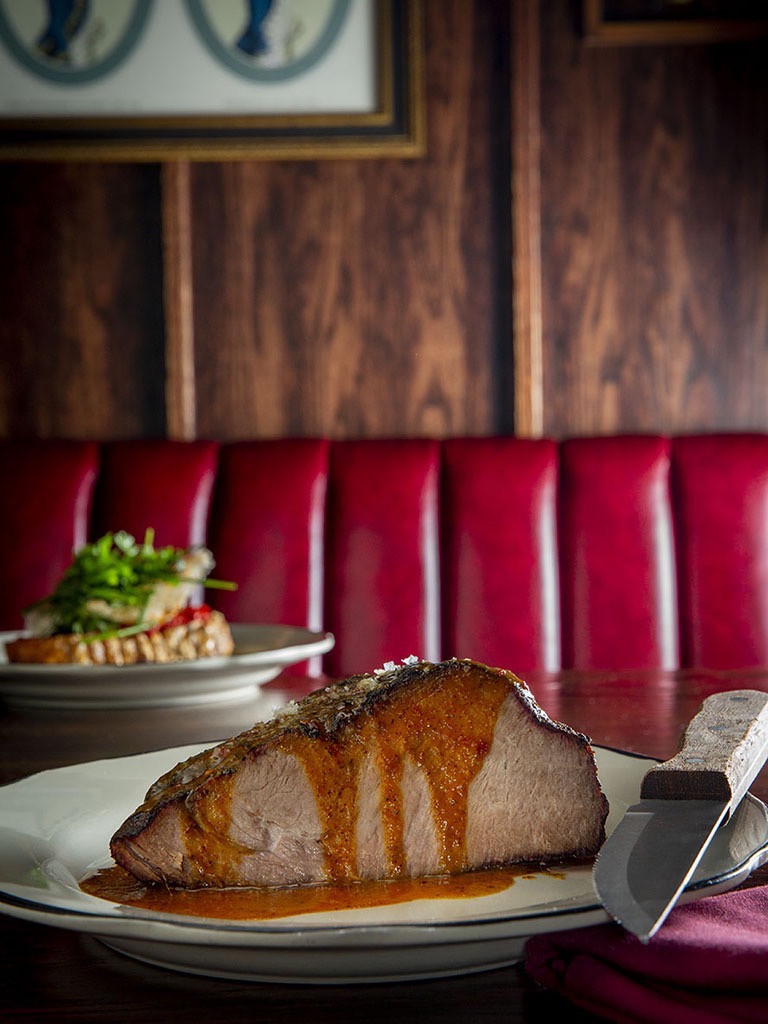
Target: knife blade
646 862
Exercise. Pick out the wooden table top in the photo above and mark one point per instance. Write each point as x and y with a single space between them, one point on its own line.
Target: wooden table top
53 974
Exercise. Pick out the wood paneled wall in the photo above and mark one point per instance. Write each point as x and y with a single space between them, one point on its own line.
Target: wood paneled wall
378 297
359 298
81 323
654 215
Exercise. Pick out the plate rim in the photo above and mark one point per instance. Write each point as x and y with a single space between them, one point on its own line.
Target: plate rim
187 930
305 638
204 681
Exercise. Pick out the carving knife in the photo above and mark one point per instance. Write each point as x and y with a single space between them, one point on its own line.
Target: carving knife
649 858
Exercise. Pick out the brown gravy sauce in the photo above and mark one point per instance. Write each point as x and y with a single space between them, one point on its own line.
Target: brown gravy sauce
411 725
408 727
264 904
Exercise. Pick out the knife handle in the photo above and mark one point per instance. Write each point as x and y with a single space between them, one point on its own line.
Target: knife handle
724 747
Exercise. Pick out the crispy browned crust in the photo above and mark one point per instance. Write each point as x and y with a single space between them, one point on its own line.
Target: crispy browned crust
324 713
203 638
181 835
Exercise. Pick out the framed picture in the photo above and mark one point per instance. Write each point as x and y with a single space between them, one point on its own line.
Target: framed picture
158 80
655 22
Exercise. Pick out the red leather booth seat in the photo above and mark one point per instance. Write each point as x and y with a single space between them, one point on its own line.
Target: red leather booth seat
607 552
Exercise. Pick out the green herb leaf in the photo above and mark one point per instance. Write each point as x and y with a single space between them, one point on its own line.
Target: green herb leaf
120 572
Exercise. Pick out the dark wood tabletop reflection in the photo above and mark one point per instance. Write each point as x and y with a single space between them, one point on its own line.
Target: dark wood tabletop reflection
52 974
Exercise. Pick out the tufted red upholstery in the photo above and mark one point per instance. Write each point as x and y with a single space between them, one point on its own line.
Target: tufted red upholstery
45 510
721 499
267 529
163 484
499 551
614 552
382 553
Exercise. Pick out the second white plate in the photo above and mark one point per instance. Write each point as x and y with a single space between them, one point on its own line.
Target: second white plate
261 653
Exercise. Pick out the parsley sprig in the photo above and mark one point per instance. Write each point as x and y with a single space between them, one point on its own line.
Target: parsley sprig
120 571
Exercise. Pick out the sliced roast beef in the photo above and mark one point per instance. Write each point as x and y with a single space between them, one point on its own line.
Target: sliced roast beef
417 770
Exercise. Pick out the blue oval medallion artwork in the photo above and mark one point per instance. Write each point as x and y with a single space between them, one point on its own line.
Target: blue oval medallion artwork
71 41
268 40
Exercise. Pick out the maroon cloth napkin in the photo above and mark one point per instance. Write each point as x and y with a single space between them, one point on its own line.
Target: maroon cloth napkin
707 964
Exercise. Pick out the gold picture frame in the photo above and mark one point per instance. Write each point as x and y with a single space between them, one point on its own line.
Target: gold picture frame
390 125
625 23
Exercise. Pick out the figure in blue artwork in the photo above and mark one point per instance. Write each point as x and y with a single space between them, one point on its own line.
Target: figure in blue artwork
253 41
65 20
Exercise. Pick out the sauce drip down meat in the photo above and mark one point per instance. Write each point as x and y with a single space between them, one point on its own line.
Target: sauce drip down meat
423 770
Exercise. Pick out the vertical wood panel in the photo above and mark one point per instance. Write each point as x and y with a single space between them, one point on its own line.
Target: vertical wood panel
180 395
358 298
526 218
81 345
655 234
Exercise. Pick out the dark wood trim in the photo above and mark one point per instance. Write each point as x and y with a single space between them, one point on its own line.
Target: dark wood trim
178 302
526 219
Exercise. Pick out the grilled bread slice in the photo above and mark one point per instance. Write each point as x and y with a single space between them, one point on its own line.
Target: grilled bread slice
201 633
